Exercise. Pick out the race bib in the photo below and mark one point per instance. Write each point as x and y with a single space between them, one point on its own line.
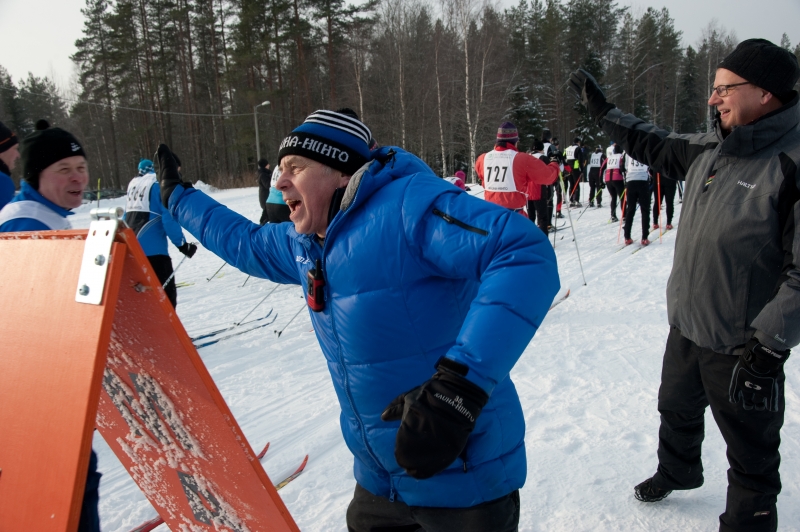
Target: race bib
571 152
273 181
498 171
139 193
596 159
612 163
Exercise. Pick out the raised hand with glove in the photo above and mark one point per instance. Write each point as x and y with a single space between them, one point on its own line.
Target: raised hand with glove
188 249
168 175
436 419
589 93
755 377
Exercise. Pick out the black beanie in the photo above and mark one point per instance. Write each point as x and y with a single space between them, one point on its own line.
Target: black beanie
45 146
7 138
262 163
765 65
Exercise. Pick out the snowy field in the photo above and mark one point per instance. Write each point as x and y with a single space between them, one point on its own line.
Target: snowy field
588 382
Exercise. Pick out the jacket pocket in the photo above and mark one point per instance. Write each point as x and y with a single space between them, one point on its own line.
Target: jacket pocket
449 219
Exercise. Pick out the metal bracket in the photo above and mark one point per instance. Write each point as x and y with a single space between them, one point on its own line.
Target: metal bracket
96 256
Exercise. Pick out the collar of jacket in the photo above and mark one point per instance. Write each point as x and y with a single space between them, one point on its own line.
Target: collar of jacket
754 137
28 193
498 148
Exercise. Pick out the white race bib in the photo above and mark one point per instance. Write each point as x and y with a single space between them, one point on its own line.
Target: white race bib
612 163
596 159
498 171
571 152
273 181
35 211
139 193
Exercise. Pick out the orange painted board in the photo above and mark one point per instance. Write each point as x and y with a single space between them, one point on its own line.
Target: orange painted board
166 421
52 356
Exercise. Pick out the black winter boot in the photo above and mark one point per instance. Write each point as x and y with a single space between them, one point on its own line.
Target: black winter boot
646 492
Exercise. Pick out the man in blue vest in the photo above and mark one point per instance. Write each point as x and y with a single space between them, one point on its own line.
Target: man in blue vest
405 276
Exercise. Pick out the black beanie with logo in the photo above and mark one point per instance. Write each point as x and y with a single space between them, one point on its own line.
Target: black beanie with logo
45 146
765 65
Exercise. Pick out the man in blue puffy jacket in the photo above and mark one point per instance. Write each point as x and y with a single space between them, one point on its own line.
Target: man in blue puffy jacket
152 225
405 276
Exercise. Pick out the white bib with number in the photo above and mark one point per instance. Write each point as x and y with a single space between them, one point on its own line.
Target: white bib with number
139 193
571 152
612 163
273 181
596 159
498 171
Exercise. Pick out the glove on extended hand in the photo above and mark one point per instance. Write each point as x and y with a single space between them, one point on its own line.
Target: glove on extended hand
188 249
437 418
588 91
168 175
755 377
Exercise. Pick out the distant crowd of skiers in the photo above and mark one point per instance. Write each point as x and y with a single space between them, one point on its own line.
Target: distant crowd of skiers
540 191
423 297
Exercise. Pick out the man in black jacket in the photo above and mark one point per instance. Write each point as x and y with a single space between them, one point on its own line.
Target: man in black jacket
733 296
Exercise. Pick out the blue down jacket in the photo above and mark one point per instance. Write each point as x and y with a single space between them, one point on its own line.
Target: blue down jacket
415 268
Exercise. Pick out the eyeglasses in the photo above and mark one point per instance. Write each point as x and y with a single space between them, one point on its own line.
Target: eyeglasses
722 90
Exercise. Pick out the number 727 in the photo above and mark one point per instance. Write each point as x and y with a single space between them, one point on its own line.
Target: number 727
497 173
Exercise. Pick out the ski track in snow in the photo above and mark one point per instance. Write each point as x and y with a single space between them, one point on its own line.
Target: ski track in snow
588 382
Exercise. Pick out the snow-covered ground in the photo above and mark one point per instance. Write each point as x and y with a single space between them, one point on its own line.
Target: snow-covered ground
588 382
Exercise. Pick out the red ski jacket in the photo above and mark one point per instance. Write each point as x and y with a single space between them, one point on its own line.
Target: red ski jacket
528 173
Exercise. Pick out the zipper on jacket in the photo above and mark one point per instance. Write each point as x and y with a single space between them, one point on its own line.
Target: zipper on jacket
449 219
345 375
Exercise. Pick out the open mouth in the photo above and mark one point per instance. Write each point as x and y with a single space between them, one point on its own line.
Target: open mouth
293 205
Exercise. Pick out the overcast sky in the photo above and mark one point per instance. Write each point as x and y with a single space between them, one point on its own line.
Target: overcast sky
39 35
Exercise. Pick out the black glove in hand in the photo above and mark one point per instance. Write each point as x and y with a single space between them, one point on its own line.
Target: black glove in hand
168 175
436 420
755 377
188 249
588 91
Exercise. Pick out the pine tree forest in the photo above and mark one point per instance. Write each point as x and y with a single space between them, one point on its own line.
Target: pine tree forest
433 78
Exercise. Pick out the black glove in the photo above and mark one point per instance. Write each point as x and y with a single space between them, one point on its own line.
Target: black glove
588 91
188 249
436 420
755 377
168 175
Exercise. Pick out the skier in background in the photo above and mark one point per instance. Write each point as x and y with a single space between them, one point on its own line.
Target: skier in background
615 180
9 153
508 176
574 170
540 208
54 177
410 276
550 150
637 185
595 172
668 188
733 297
153 224
274 209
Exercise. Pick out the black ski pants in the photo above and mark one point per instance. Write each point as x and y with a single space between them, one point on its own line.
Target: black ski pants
668 188
371 513
162 264
615 190
595 186
275 213
693 378
574 178
638 194
537 213
90 517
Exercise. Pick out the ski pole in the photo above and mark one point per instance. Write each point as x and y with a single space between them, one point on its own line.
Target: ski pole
279 333
220 269
245 281
660 213
622 214
258 304
587 205
575 239
164 286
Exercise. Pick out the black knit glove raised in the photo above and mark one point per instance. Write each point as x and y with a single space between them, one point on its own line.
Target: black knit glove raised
436 420
168 175
755 377
589 93
188 249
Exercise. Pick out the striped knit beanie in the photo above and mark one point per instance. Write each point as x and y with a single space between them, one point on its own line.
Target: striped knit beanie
507 133
334 138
